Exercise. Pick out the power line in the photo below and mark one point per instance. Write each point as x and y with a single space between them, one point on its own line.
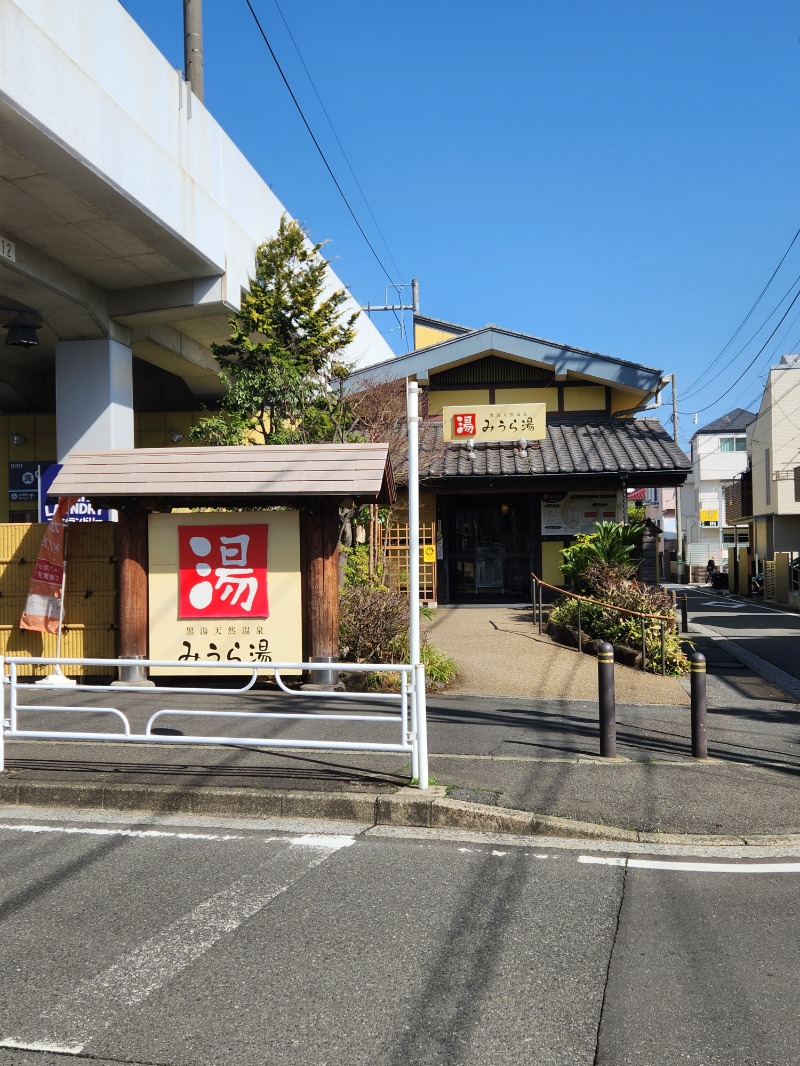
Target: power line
336 136
755 357
740 327
316 143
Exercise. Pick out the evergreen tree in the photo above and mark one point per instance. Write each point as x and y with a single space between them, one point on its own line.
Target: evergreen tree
283 352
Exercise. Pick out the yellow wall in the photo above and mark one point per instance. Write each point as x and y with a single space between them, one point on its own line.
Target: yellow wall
151 430
585 398
624 401
39 432
549 397
425 336
282 629
89 601
455 398
551 562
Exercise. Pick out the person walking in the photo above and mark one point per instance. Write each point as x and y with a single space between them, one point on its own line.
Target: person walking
711 569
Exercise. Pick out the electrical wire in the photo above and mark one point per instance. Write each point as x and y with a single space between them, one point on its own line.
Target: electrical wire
344 155
755 357
336 136
740 327
316 143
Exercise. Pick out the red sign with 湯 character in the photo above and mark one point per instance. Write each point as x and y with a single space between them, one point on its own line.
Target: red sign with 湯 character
464 425
222 571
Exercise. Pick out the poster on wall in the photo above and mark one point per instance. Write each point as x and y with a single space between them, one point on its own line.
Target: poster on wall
225 587
565 514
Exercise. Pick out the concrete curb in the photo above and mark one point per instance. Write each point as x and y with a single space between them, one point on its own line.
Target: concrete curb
407 807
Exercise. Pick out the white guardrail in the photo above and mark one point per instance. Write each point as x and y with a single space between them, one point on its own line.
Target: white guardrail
409 718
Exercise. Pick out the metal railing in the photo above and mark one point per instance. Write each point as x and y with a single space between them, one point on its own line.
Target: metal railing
663 620
409 717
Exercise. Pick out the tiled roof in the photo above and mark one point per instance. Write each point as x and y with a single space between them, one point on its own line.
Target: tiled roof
641 447
735 421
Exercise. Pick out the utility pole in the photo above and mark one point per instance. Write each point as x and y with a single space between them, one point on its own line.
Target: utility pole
678 522
193 46
413 306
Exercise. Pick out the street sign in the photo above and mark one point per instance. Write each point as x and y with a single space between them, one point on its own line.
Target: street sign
490 422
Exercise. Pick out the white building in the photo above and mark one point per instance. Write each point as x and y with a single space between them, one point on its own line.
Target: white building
719 454
129 223
774 455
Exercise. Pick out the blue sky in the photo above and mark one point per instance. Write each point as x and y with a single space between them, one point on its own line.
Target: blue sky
617 176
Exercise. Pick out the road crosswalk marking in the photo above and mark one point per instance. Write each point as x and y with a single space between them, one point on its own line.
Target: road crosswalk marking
71 1024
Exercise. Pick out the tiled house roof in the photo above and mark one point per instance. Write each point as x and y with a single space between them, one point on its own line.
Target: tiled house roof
601 447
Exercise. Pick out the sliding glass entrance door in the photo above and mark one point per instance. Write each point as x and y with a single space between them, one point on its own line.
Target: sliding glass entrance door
488 549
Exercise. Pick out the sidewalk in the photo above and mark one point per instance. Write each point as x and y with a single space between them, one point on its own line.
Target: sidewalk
513 748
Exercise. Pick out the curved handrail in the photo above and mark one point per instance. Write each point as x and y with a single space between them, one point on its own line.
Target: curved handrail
661 619
602 603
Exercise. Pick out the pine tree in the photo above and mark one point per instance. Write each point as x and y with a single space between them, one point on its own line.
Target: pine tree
284 352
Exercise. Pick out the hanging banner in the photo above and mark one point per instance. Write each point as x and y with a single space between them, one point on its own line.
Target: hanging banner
43 607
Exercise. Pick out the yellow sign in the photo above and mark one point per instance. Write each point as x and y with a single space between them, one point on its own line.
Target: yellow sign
225 587
709 515
429 553
492 423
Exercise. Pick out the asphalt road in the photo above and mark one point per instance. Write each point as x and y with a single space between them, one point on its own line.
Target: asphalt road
761 629
232 942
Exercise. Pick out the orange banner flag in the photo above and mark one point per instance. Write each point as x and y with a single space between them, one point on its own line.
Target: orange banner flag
43 606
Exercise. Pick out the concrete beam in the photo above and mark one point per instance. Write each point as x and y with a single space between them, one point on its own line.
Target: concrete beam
170 350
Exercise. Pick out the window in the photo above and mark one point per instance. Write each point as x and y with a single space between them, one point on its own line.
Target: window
733 444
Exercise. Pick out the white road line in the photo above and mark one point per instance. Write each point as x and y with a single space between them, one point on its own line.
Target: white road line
54 1049
141 833
93 1006
696 867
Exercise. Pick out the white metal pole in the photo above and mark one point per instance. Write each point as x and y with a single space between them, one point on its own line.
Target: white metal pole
412 410
420 752
2 713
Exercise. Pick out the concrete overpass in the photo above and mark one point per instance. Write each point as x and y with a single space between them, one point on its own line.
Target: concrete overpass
128 223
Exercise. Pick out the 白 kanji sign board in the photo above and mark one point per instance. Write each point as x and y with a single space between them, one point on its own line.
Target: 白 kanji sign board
492 422
225 587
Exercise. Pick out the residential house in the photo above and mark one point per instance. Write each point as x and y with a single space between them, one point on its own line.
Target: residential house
718 454
767 497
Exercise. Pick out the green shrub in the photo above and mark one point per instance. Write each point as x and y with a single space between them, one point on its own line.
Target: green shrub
356 568
373 628
610 546
598 621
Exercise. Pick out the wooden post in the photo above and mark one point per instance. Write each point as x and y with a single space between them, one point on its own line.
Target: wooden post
319 525
133 601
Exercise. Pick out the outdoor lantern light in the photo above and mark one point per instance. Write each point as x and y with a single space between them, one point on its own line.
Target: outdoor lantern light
22 331
19 438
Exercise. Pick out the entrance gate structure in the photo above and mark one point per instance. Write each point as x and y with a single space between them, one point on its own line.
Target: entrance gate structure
312 479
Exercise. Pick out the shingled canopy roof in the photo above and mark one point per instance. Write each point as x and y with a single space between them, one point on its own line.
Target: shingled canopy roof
235 476
604 450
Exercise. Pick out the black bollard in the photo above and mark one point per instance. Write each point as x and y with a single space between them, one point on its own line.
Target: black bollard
608 706
684 613
697 675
